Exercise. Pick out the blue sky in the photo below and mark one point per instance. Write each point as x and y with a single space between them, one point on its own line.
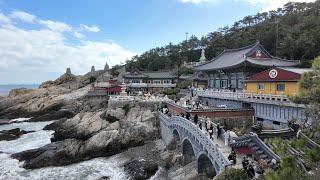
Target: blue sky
41 38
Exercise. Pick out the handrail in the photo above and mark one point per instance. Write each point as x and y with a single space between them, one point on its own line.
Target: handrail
310 141
213 150
266 148
243 95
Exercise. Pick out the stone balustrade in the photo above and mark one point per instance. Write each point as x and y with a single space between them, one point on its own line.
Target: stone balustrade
242 95
201 143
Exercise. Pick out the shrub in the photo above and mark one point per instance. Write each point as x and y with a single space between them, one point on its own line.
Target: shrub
126 108
238 174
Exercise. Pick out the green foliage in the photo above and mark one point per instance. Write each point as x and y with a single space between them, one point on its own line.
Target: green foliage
126 108
288 170
184 84
298 38
299 143
170 91
114 70
184 70
314 155
236 174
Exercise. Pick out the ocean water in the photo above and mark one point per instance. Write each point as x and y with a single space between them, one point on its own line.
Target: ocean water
6 88
93 169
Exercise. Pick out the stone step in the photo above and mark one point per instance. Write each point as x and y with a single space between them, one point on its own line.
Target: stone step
259 152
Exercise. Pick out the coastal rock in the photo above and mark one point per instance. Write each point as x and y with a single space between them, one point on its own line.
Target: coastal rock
8 135
141 169
87 135
19 92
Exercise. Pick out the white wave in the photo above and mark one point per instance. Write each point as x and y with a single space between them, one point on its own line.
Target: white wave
93 169
27 126
19 120
27 141
89 170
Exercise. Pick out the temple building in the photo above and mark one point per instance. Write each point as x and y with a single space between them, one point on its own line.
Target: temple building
276 81
232 67
148 81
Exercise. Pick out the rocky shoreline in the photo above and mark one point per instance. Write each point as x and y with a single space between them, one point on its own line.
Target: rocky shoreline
86 128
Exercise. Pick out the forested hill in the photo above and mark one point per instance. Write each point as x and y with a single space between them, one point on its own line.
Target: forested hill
298 35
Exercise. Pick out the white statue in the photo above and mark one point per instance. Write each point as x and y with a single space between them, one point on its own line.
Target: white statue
203 56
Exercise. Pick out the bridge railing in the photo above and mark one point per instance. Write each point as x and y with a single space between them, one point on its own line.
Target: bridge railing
242 95
213 150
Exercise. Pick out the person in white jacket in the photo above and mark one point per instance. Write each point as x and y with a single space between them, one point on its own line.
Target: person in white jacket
226 138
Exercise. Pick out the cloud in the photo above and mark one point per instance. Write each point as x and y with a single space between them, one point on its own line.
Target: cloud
56 25
40 54
4 19
79 35
90 28
197 1
23 16
268 5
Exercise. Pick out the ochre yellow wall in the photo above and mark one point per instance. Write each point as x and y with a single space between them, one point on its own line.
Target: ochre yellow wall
291 88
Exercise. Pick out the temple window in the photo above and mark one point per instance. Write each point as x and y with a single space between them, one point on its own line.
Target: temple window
261 86
280 87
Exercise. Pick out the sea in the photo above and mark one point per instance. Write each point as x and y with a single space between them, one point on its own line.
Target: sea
6 88
11 169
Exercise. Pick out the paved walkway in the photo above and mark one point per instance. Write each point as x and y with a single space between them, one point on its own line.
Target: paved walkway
225 150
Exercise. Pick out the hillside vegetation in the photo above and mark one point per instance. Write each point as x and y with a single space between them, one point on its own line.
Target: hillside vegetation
298 37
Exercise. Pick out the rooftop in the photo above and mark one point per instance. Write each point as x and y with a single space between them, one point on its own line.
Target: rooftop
150 74
253 54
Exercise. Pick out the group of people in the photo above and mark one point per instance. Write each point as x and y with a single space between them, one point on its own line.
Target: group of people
248 167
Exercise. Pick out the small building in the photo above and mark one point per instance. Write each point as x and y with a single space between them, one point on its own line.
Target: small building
232 67
148 81
110 87
276 81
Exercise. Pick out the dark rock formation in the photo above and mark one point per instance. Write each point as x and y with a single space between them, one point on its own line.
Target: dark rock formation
141 169
87 135
8 135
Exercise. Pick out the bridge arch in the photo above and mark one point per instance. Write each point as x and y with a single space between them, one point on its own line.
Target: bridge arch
175 141
188 151
205 167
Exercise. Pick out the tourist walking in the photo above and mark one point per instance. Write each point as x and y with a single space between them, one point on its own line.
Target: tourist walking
195 119
218 130
188 116
211 130
226 138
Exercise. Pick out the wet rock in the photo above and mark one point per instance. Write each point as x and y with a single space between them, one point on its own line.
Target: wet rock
8 135
4 121
141 169
87 136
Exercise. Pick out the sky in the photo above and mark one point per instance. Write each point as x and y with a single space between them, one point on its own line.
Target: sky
40 39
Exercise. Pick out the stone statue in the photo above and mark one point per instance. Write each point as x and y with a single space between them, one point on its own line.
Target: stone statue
93 70
106 67
203 56
68 71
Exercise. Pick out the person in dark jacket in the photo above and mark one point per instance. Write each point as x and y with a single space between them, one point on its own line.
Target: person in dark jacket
188 116
195 119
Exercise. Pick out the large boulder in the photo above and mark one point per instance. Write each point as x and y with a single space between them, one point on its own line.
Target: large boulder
93 136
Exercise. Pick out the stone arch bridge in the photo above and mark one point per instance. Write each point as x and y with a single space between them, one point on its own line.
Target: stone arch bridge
194 144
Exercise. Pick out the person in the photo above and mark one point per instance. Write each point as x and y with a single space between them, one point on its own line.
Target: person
245 163
226 138
200 124
197 104
250 171
188 116
195 119
182 115
218 130
211 130
206 123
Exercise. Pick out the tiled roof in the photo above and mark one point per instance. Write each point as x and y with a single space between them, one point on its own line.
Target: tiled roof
150 74
297 70
235 57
